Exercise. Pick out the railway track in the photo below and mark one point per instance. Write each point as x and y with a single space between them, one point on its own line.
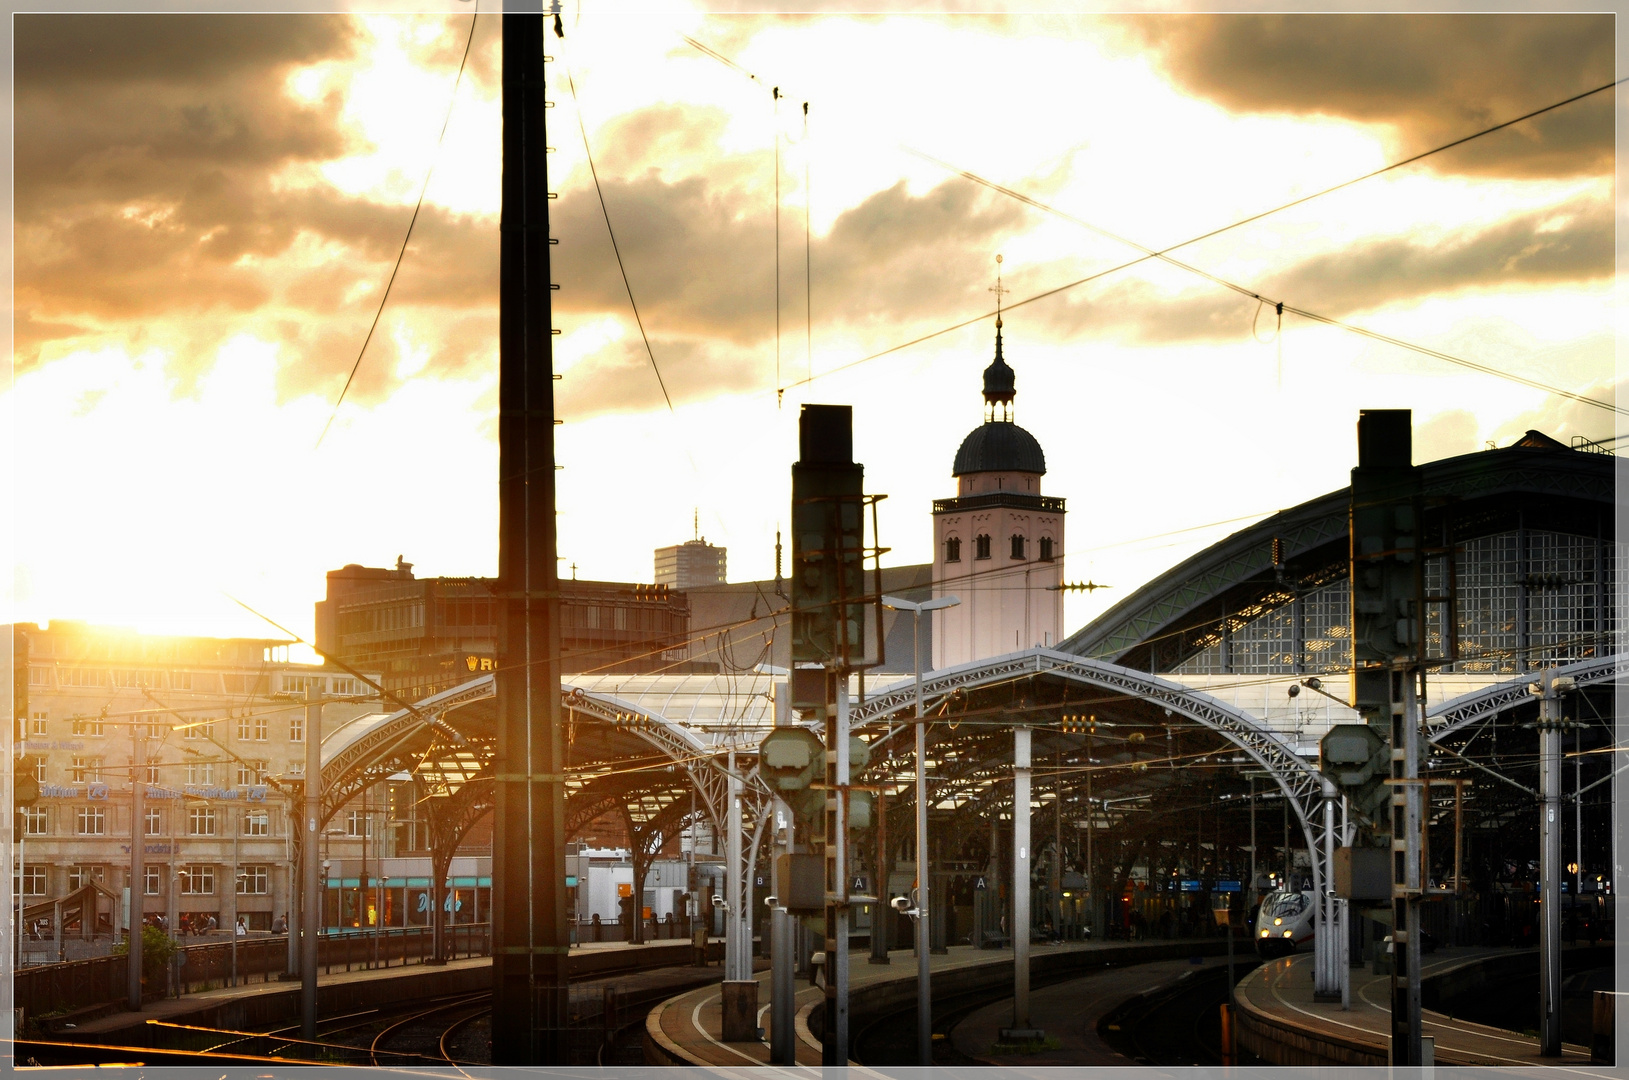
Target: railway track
1177 1025
449 1030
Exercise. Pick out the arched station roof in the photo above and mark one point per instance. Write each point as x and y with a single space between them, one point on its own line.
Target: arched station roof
1171 618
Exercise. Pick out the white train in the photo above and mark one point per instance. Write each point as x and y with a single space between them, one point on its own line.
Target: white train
1285 923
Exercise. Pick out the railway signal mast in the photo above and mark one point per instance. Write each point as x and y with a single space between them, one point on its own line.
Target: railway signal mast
830 619
1388 672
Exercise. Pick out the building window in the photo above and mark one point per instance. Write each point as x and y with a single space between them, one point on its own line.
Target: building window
953 549
33 820
90 820
36 726
358 823
31 882
1017 547
88 725
257 823
180 680
1046 549
85 770
201 772
155 821
981 546
39 770
152 774
254 880
252 728
152 879
201 729
296 728
251 773
80 876
200 821
197 879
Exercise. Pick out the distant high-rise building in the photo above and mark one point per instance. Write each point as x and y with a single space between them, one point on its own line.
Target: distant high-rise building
693 564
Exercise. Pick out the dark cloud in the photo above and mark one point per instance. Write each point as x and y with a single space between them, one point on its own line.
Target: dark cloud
58 52
1571 244
1433 78
700 251
153 202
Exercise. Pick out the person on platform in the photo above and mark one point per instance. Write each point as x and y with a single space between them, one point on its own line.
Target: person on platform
242 930
281 925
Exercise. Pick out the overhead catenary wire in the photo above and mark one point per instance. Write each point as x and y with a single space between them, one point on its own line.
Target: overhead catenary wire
1243 290
615 249
1196 239
417 206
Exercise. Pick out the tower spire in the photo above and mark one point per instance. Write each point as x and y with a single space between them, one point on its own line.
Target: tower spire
999 381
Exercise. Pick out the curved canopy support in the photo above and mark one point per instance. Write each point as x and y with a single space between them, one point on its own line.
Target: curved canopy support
1299 780
1478 705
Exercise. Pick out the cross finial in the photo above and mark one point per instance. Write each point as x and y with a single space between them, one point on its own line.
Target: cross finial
999 291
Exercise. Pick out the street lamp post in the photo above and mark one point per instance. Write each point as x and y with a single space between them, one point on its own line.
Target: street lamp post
924 1005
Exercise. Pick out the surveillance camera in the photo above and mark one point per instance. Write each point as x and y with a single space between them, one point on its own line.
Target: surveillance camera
770 901
902 903
718 901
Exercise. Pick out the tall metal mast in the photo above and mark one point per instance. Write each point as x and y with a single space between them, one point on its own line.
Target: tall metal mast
530 938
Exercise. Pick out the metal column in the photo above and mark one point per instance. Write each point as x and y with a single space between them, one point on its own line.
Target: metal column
529 931
1550 824
1407 819
138 874
311 820
924 877
1326 977
837 965
783 989
737 965
1021 1028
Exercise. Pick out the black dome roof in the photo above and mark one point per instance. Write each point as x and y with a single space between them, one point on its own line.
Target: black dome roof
999 446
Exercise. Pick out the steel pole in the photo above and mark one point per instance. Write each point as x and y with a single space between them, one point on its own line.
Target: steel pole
733 965
783 989
838 970
1021 1028
232 919
311 818
1092 906
924 979
1251 893
1549 866
138 872
1406 820
1326 978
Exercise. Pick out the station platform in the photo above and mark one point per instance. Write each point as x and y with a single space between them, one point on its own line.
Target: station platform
1279 1021
688 1029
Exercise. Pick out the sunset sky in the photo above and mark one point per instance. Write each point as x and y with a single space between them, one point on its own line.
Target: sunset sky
207 208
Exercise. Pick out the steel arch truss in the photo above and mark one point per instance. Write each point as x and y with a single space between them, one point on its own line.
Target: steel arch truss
699 761
1478 705
1300 781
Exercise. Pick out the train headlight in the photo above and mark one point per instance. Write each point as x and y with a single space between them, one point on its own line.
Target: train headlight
1264 933
1287 933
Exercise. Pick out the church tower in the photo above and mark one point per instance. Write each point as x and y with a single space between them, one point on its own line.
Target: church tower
998 545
